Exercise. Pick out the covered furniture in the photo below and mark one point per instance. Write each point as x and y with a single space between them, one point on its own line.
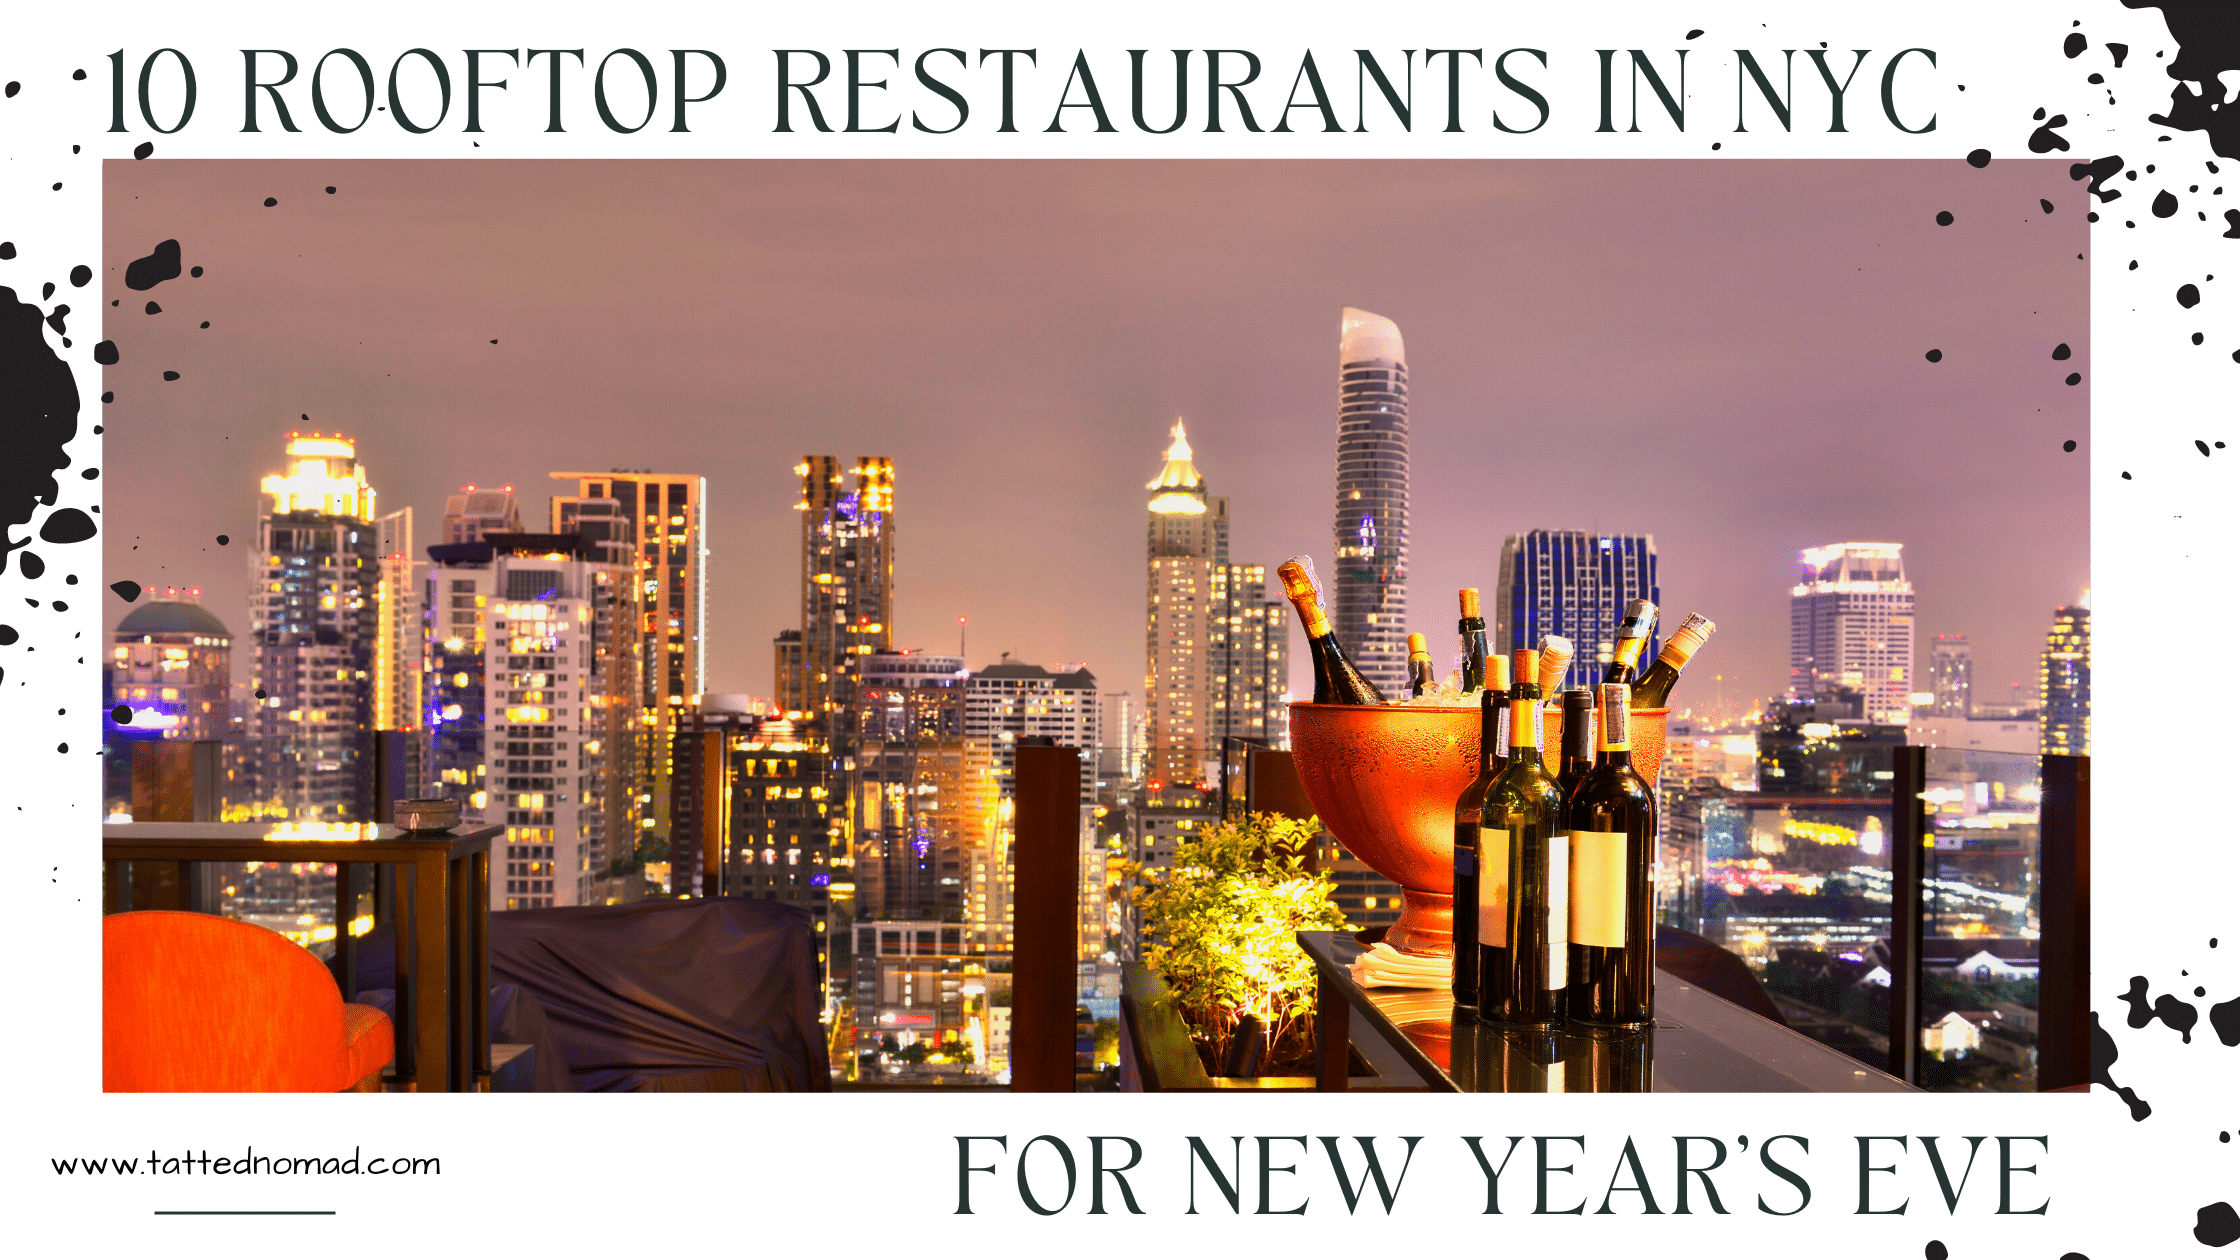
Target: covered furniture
196 1003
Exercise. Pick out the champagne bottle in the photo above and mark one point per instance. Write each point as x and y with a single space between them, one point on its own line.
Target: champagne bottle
1578 739
1635 625
1472 627
1336 681
1493 755
1521 829
1656 683
1419 665
1555 662
1613 820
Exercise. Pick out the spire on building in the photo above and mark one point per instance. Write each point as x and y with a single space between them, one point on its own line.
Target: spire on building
1180 488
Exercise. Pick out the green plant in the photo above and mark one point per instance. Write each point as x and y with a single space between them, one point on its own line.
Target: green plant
1223 916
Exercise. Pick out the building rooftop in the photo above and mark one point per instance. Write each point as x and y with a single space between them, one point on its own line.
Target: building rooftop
172 616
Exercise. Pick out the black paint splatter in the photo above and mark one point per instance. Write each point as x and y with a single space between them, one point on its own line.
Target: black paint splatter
2104 1056
2073 46
2232 217
141 150
2045 205
2119 52
161 264
33 566
2216 1225
171 376
128 590
38 416
7 636
2208 45
2099 171
2061 351
270 202
66 525
1979 158
2224 1017
260 693
1944 218
2046 140
2178 1015
81 276
1934 356
2072 378
223 540
2069 445
2204 447
121 715
2189 296
153 309
2164 205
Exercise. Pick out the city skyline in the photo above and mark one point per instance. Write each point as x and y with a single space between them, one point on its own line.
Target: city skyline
368 334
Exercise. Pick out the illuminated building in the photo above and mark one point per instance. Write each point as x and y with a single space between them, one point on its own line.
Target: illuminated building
786 670
398 663
1563 581
523 672
2065 684
847 580
1120 728
315 616
170 663
927 983
1369 610
475 512
926 808
1216 652
1851 628
655 522
1952 671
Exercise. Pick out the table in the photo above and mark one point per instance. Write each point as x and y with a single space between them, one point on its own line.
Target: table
442 913
1701 1043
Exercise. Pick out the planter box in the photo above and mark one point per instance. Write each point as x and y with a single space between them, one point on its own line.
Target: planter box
1156 1053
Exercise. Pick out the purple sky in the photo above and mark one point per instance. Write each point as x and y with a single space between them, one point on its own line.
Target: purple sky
1725 354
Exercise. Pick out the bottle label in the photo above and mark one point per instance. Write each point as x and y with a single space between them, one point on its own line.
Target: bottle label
1559 912
1501 728
1524 724
1598 888
1616 699
1493 887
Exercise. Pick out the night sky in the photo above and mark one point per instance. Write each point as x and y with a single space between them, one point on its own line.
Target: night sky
1726 354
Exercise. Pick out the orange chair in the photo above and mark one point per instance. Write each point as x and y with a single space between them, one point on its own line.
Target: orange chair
196 1003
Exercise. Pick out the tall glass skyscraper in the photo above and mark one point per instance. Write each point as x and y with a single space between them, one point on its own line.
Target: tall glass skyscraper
2065 684
1951 675
1371 547
1563 581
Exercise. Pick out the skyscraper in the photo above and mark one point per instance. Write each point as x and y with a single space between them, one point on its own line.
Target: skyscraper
2065 684
660 521
1216 652
314 615
1851 629
1371 549
1952 672
475 511
522 679
399 670
170 667
1562 581
847 581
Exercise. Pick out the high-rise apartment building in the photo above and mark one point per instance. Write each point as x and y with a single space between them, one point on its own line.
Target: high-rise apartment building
1851 629
1952 671
474 512
170 668
398 671
2065 684
1120 735
1563 581
924 799
315 623
1216 652
659 521
1010 702
847 580
1370 604
522 676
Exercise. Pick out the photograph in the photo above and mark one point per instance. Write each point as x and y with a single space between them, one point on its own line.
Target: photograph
504 592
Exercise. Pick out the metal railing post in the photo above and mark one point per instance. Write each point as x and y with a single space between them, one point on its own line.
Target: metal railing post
2065 921
1909 833
1046 882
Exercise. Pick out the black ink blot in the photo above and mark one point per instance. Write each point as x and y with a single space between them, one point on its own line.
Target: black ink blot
66 525
153 309
108 395
2216 1225
1944 218
2104 1056
2061 351
38 415
1979 158
129 590
330 190
2069 445
7 635
2164 205
2045 205
33 566
161 264
260 693
2224 1017
2099 172
1934 356
2204 446
2045 139
7 249
2072 378
80 276
2188 296
141 150
196 273
2073 46
271 201
121 715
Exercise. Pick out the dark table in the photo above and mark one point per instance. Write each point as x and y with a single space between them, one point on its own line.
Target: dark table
1701 1043
443 922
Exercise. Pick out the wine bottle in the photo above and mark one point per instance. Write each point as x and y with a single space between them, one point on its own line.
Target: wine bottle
1419 665
1578 739
1493 755
1613 821
1521 830
1656 682
1635 625
1555 661
1336 681
1472 627
1534 1061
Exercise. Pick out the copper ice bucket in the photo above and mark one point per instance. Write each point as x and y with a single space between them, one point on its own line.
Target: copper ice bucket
1384 780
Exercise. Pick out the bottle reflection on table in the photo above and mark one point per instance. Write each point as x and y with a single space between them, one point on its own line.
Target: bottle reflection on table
1490 1058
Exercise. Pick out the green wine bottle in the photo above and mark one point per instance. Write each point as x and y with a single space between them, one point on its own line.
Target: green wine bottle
1336 681
1419 665
1655 687
1521 827
1613 820
1472 628
1635 625
1578 739
1493 756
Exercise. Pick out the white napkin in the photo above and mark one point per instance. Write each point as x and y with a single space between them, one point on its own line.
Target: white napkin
1386 967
